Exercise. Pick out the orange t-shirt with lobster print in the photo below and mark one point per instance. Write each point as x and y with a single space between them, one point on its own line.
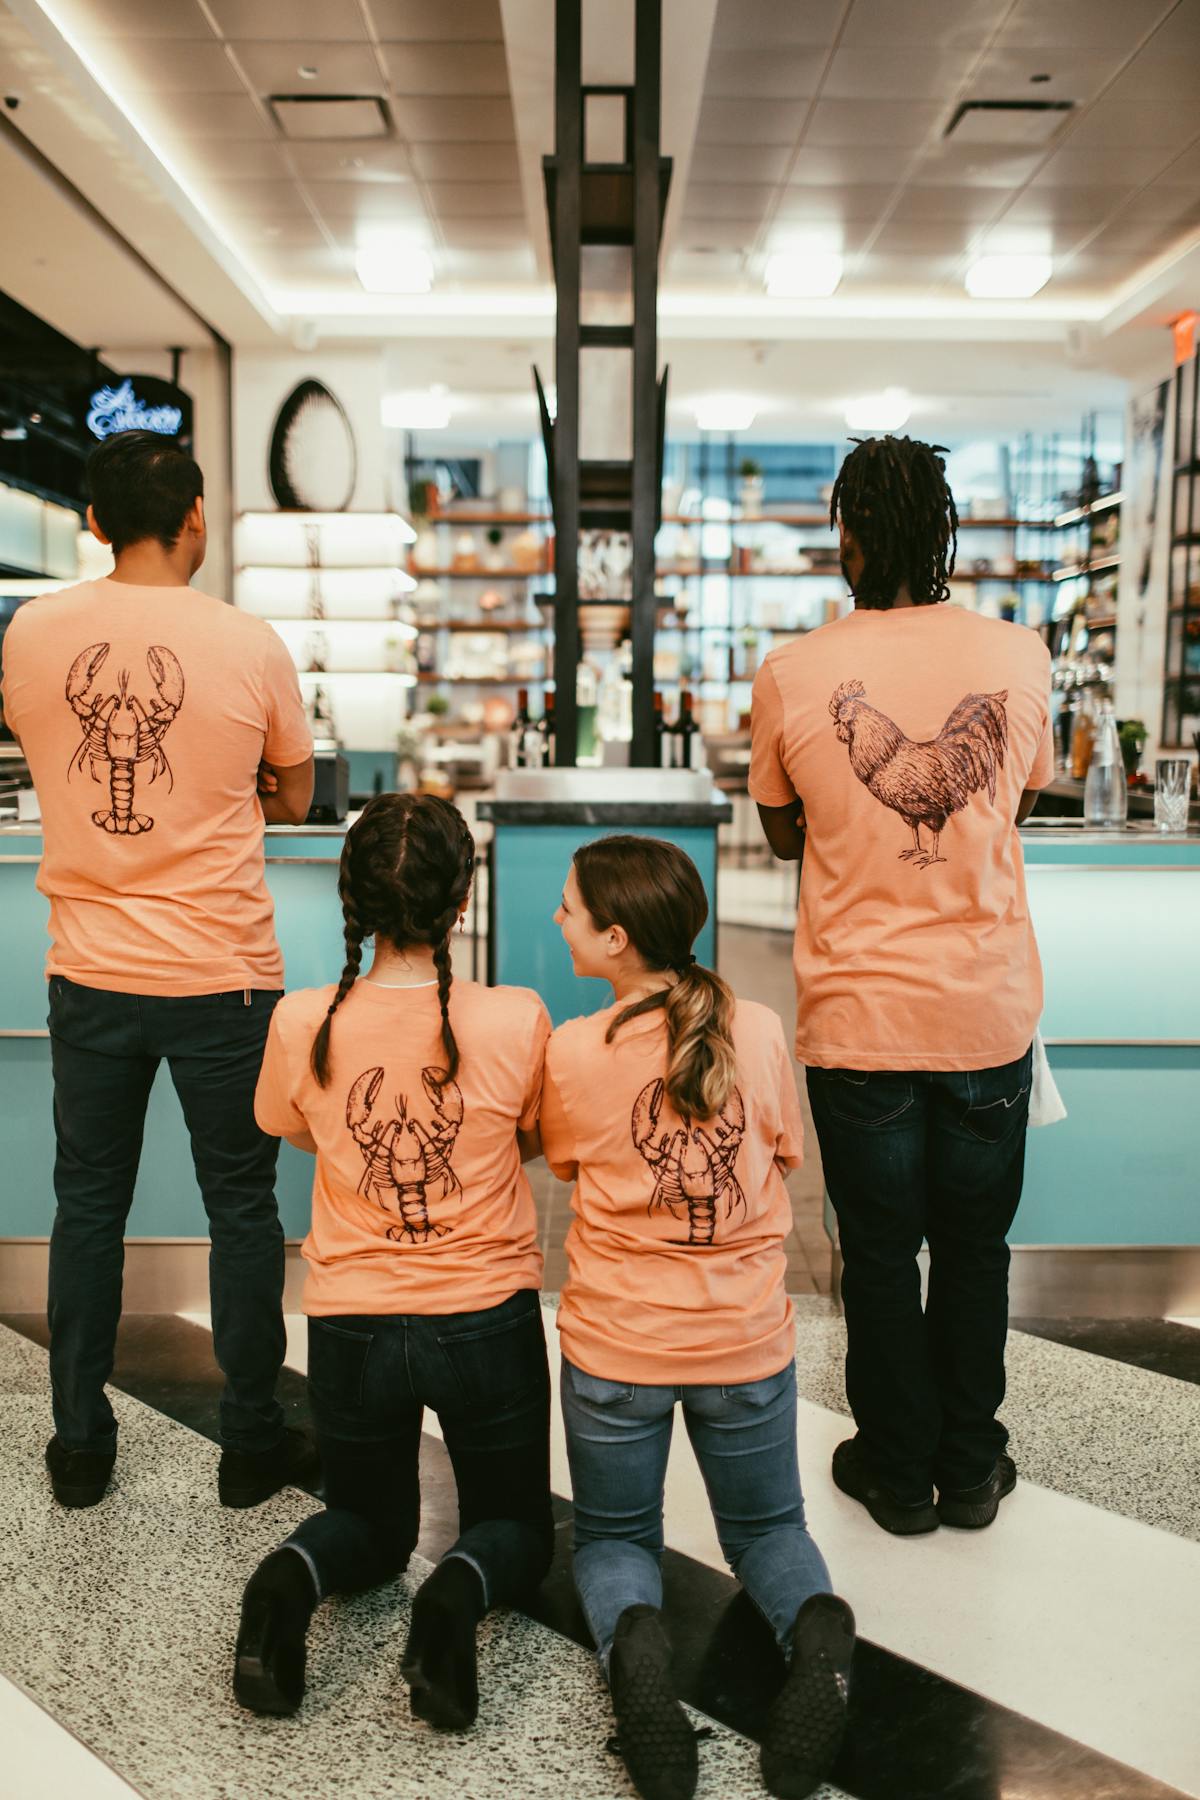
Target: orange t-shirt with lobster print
144 713
675 1251
909 737
420 1203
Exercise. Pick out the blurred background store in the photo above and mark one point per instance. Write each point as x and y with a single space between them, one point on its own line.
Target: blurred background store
317 243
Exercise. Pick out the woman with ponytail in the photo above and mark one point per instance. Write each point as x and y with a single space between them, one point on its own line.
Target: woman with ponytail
419 1095
675 1113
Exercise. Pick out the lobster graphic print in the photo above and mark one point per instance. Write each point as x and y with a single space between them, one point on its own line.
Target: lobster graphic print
405 1161
693 1168
120 731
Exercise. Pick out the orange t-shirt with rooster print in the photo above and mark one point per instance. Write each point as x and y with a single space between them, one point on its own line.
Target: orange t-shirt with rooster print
909 737
675 1251
144 713
420 1203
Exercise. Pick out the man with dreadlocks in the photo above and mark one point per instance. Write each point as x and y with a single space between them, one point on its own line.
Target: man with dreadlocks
896 751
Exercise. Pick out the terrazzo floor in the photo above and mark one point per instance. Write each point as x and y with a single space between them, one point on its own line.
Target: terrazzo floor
1052 1658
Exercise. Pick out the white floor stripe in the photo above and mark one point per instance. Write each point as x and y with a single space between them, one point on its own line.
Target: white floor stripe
42 1761
1076 1617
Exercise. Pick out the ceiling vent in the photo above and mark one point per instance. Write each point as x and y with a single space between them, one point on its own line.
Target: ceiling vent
308 116
1019 122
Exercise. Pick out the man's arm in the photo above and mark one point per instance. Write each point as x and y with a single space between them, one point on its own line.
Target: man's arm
286 794
1029 800
783 829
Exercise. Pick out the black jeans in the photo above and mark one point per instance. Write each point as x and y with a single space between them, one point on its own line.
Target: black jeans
485 1375
909 1156
105 1050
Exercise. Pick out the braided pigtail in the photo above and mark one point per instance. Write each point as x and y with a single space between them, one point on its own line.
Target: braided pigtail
445 975
354 934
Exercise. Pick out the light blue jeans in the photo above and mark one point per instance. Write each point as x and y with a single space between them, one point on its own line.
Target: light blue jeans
744 1436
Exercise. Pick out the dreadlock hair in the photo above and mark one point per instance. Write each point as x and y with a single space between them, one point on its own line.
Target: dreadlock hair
892 493
406 869
654 892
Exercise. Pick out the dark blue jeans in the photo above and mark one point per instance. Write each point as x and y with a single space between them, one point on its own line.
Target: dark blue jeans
940 1157
106 1049
486 1377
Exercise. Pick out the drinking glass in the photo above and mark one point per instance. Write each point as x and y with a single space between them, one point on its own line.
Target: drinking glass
1172 790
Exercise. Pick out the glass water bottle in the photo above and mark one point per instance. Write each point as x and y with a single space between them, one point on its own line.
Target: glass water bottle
1105 797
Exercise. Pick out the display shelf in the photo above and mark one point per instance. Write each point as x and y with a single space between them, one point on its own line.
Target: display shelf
466 519
389 627
401 675
431 678
1079 513
529 625
1097 566
433 574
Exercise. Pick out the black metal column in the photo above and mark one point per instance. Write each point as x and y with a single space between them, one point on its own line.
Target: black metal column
567 204
646 473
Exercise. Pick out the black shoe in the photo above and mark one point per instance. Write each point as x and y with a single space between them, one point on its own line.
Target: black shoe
654 1734
904 1518
973 1508
439 1658
79 1477
268 1663
248 1480
807 1722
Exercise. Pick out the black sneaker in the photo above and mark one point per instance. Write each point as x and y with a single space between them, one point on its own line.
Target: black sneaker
269 1659
654 1734
904 1518
807 1721
248 1480
973 1508
79 1477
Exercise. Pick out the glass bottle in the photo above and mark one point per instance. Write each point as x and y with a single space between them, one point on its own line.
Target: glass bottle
1105 796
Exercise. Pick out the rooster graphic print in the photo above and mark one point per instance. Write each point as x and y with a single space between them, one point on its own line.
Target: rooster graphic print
925 783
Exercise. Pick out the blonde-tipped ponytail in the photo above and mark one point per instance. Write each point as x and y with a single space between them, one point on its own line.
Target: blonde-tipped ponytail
653 890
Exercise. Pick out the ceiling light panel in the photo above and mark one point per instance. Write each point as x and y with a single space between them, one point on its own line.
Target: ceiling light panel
301 117
888 411
810 275
1008 277
393 267
724 413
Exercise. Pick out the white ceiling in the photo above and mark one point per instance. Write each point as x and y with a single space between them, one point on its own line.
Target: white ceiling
791 122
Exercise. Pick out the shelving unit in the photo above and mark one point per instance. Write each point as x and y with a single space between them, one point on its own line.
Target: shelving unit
437 664
1181 677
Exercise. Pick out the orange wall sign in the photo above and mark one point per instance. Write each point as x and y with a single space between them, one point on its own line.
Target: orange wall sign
1184 331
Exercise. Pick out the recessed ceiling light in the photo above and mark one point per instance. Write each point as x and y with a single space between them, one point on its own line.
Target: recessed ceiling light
308 71
1036 78
887 411
1008 277
807 275
386 266
724 412
428 411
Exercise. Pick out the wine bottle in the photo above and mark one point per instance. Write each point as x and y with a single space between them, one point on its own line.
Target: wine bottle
546 729
662 738
517 730
688 734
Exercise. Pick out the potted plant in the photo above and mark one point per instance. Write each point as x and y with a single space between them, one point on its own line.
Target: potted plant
1132 734
751 491
437 706
495 538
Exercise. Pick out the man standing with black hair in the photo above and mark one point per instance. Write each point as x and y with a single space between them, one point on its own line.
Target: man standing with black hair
145 710
897 751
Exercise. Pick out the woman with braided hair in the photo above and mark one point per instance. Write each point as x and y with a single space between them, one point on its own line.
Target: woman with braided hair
419 1097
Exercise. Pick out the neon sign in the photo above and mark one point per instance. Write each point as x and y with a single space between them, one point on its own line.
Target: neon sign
113 409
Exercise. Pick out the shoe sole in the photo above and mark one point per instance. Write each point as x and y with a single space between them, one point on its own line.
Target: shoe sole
924 1519
807 1722
77 1497
964 1517
256 1688
240 1498
654 1735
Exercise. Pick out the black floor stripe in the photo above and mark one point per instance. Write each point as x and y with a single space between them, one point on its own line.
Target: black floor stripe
913 1734
1155 1344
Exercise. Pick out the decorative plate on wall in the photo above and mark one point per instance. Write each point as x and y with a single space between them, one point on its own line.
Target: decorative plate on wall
313 462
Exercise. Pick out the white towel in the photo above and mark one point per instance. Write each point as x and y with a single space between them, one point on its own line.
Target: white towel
1045 1102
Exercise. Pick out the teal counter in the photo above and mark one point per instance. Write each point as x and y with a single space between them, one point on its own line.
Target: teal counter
301 874
1118 923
